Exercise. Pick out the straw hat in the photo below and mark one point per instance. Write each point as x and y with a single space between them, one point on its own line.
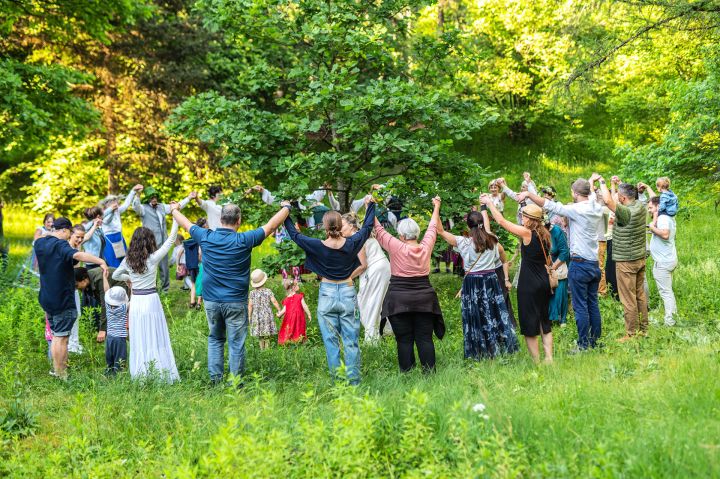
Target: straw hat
116 296
533 211
258 278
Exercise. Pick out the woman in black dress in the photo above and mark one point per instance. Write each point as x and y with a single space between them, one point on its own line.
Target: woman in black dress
533 289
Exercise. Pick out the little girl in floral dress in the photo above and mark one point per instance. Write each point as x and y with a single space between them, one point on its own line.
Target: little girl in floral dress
262 322
295 310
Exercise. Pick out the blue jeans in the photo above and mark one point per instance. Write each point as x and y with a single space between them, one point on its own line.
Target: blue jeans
584 279
337 320
226 320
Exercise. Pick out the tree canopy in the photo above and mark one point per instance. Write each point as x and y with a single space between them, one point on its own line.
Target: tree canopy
296 93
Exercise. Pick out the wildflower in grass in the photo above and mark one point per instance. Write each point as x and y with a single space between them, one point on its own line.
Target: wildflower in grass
479 407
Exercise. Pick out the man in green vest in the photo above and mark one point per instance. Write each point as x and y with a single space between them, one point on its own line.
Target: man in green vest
629 254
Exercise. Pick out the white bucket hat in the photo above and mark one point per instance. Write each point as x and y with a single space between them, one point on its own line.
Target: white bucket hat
258 278
116 296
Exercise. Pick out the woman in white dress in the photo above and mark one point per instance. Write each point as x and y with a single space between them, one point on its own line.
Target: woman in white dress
374 274
150 349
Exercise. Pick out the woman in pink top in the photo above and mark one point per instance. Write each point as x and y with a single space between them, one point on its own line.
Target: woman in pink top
411 303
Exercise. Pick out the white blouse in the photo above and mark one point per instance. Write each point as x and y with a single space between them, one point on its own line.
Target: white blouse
466 248
148 279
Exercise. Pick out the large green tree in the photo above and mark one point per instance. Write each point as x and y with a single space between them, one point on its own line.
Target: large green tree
333 92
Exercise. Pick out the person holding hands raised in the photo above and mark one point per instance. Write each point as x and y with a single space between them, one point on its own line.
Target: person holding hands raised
226 279
585 216
533 289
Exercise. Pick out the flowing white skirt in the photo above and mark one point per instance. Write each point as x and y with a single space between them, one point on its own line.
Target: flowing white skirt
150 349
374 284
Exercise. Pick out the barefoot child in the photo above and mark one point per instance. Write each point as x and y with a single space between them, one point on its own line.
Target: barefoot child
295 310
116 306
262 322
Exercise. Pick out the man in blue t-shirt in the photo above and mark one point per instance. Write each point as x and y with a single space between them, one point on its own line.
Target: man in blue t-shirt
226 277
56 260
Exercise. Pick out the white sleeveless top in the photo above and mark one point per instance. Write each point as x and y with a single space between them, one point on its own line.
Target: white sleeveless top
374 252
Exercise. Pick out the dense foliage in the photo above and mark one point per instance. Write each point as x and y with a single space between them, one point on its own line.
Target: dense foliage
297 93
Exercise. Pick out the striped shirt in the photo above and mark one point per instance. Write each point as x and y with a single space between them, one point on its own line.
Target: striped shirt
117 321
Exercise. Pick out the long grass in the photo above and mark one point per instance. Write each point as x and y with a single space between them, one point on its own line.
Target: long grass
649 408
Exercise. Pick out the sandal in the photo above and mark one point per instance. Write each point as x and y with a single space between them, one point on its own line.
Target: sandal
192 306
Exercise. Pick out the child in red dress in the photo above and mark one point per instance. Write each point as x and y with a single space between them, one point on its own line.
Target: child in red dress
293 328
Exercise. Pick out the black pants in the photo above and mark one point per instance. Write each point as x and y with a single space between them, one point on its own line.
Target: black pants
115 353
414 329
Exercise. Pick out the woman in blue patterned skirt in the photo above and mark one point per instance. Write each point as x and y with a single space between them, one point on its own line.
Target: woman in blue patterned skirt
487 329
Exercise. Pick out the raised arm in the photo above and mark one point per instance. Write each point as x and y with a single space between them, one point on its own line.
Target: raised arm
163 251
517 230
278 219
387 241
95 224
122 273
486 220
334 203
179 218
128 201
137 207
447 236
607 195
430 235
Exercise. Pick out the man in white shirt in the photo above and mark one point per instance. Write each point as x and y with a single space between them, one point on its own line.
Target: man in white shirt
211 206
664 255
584 218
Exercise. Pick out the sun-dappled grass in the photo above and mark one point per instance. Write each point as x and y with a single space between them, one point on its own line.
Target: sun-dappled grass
645 409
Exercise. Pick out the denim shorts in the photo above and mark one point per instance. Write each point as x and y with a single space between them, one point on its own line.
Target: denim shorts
61 324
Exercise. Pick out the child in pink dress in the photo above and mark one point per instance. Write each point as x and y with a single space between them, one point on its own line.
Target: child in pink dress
294 312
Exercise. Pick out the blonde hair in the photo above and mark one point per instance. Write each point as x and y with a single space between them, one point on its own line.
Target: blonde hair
288 284
351 219
663 182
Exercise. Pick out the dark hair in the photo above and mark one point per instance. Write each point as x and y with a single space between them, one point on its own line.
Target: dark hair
93 212
230 215
628 190
142 245
47 217
214 190
655 200
332 222
81 274
483 241
201 222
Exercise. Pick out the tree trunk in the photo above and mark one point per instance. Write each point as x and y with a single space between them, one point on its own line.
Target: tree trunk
441 15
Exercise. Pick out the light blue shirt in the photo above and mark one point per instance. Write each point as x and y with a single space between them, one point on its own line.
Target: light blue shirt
94 244
584 218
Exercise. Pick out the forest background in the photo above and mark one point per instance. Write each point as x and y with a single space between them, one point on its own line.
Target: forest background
97 96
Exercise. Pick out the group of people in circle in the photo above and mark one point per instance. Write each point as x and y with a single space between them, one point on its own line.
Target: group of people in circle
559 249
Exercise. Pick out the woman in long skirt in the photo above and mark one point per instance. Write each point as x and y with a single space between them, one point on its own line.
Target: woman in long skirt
374 274
560 255
150 349
487 329
533 290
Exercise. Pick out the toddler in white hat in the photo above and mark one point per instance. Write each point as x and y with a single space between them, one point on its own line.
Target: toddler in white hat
116 307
